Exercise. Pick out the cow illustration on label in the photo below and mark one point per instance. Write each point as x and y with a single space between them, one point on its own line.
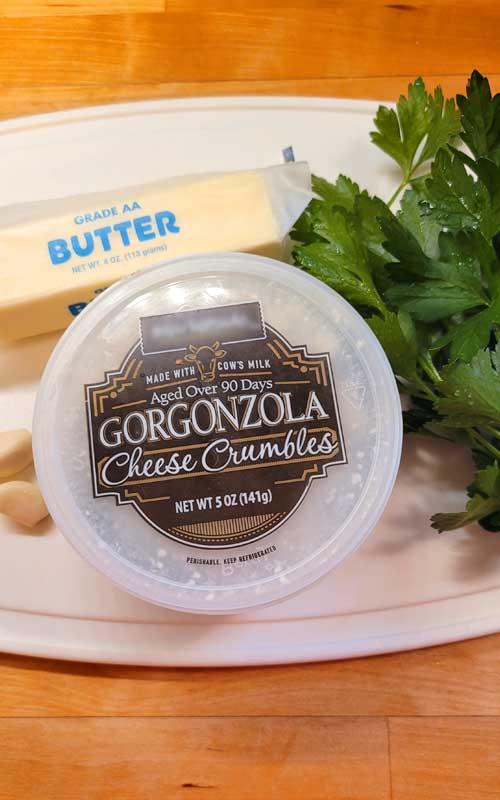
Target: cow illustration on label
205 358
215 445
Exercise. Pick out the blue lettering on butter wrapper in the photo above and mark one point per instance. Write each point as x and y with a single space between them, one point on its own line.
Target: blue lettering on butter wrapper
75 308
125 233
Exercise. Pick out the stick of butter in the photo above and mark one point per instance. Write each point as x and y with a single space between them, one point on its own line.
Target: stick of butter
57 255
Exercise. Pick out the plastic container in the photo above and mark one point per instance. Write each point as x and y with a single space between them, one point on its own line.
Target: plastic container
217 432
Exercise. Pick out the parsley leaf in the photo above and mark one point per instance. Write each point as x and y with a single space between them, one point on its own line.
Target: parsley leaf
430 289
471 335
472 389
304 229
432 300
480 118
427 279
421 124
453 198
344 242
424 229
458 250
397 336
443 125
368 214
341 260
484 493
340 272
488 174
341 193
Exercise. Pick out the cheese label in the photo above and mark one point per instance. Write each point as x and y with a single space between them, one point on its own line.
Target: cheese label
214 426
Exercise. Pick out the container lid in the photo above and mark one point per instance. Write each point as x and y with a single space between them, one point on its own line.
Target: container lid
217 432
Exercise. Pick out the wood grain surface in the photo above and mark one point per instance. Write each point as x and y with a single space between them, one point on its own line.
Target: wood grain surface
453 680
177 758
79 52
64 8
445 758
412 726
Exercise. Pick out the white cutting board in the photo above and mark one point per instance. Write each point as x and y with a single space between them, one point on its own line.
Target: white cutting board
406 587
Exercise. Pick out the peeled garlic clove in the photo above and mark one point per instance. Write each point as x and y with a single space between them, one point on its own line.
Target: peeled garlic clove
15 451
23 502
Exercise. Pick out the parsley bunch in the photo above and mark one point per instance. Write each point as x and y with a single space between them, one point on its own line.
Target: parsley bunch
427 277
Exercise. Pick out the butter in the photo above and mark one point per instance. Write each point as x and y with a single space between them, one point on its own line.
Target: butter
57 255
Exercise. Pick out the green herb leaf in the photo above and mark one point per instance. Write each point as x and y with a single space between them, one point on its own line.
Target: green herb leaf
421 124
432 301
396 334
443 125
319 260
411 261
427 280
436 289
341 193
471 335
341 261
324 263
303 230
459 261
472 389
489 174
425 231
369 211
456 265
480 118
484 493
486 481
477 508
454 199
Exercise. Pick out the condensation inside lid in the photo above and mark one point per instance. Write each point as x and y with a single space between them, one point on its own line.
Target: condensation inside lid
283 519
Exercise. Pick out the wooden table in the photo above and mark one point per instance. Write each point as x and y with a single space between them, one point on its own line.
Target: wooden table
414 725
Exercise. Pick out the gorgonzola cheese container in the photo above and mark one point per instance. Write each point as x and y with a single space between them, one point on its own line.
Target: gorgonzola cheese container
217 432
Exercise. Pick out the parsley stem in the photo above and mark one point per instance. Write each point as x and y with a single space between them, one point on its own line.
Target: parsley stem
412 391
418 390
430 370
484 443
428 393
399 190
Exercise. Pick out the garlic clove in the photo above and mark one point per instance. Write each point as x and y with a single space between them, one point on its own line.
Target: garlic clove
15 451
23 502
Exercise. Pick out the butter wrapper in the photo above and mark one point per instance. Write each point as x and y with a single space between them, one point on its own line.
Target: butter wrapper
58 255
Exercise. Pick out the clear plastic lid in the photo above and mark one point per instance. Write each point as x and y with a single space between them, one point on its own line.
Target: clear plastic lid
217 432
